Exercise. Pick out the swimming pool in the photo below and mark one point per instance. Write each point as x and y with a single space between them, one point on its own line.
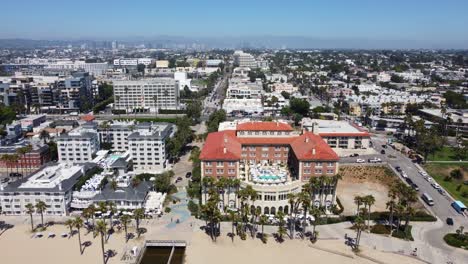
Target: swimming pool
269 177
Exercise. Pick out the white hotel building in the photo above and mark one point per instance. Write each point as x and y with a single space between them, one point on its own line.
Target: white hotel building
146 95
147 146
79 145
52 184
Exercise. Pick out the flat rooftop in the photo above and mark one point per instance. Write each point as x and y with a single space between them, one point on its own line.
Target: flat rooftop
51 176
332 127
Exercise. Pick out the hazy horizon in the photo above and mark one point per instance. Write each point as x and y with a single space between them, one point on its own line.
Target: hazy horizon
364 24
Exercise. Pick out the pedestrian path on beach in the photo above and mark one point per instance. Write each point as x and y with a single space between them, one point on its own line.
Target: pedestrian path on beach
179 211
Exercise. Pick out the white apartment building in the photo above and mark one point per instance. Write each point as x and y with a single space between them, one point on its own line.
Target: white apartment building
132 62
146 95
284 87
52 184
95 68
244 59
235 106
78 145
147 146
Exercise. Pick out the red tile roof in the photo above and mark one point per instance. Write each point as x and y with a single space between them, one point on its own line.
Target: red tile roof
225 145
264 126
304 145
265 141
87 118
221 146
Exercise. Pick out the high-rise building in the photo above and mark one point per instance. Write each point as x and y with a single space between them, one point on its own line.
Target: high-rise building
243 59
146 95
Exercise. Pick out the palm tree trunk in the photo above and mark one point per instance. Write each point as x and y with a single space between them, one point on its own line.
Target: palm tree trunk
42 219
79 241
32 224
102 247
391 220
368 222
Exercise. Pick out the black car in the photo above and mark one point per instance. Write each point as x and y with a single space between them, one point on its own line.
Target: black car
409 181
415 186
449 221
397 168
384 146
354 155
188 174
382 151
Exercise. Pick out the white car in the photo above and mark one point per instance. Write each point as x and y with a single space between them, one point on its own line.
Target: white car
360 161
403 174
435 185
423 173
375 160
429 179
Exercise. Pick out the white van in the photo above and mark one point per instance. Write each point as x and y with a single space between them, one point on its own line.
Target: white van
427 199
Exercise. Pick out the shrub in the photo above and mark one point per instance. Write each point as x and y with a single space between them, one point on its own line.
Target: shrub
193 208
403 234
456 240
167 210
338 209
380 229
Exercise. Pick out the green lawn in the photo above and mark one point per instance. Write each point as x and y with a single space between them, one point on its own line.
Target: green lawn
439 171
445 154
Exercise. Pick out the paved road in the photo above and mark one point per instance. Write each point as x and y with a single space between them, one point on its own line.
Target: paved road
213 102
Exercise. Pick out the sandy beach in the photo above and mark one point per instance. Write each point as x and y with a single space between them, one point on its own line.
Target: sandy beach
203 250
18 247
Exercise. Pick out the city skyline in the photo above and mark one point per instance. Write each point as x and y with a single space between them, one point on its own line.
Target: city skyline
300 24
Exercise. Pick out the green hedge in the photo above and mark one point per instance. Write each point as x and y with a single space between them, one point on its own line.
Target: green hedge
171 111
403 234
455 240
419 216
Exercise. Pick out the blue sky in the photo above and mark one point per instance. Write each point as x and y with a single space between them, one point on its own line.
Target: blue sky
422 20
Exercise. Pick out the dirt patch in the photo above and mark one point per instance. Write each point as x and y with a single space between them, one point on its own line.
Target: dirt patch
366 180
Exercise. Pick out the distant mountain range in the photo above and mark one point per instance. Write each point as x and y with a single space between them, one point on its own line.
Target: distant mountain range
272 42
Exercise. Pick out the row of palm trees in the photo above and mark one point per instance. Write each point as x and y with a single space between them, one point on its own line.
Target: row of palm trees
317 187
100 227
247 216
11 160
400 205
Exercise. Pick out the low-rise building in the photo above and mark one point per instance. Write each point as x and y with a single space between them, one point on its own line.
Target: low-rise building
343 137
53 185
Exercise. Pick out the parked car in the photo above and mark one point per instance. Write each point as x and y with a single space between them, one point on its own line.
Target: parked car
397 168
374 160
415 186
403 174
354 155
423 173
382 152
188 174
435 185
449 221
384 146
360 161
409 181
442 192
4 180
178 179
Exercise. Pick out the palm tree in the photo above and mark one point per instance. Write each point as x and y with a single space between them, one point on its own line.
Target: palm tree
233 218
78 224
336 178
358 201
125 220
44 135
69 223
369 200
359 225
91 209
14 158
27 149
207 183
236 185
40 208
281 228
294 203
263 221
138 214
305 200
5 158
316 213
102 207
221 185
30 210
101 228
112 210
391 206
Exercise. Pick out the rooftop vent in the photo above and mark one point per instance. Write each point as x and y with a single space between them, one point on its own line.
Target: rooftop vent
313 151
